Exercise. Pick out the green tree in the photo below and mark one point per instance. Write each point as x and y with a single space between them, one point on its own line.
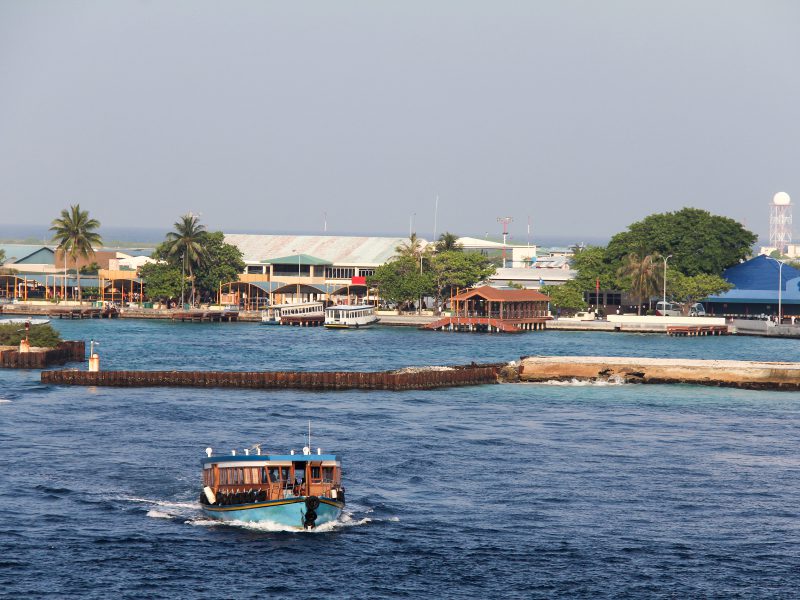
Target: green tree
90 269
222 263
568 296
412 248
162 280
400 281
698 241
592 265
687 290
455 269
641 277
2 256
187 243
76 236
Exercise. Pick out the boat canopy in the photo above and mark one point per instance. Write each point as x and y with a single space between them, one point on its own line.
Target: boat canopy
260 458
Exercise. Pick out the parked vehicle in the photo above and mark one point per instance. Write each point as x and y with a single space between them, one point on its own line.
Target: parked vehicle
697 310
668 309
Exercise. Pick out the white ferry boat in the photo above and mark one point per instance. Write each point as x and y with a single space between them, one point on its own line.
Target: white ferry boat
350 317
274 315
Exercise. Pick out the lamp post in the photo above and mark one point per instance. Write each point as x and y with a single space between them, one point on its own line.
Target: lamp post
183 277
665 283
780 288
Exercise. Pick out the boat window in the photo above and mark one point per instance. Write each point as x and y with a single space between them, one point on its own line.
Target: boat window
285 475
327 474
315 473
247 477
264 478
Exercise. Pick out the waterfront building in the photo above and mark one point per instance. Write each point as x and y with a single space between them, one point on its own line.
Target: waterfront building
755 292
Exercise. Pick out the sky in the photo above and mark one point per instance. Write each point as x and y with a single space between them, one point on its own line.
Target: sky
578 117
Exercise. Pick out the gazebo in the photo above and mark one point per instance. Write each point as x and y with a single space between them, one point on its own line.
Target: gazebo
496 310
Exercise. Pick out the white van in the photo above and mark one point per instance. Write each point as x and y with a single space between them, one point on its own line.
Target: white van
697 310
667 309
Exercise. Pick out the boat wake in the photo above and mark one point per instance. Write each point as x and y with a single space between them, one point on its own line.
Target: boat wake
345 521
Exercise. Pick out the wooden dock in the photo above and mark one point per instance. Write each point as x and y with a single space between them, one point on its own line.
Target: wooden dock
486 324
82 313
205 316
696 330
406 379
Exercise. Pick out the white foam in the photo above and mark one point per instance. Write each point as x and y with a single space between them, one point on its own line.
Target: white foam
615 380
164 503
4 401
344 521
157 514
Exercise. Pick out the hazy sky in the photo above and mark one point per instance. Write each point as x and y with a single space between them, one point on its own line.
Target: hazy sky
585 116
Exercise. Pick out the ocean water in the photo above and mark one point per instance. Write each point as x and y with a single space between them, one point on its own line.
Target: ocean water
512 491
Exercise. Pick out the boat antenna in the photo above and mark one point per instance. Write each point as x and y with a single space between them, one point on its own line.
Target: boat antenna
309 434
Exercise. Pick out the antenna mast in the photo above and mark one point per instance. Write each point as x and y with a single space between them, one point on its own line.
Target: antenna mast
505 221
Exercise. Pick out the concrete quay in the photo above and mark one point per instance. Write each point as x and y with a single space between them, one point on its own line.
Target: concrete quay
722 373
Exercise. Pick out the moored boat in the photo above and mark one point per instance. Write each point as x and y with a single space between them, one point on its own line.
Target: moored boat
23 321
350 317
275 315
301 491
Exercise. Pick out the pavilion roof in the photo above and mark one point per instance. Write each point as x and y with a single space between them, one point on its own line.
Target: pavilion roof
493 294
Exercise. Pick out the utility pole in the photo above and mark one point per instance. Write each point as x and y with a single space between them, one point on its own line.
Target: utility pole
505 221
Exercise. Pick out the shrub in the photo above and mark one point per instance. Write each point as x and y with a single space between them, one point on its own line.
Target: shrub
41 336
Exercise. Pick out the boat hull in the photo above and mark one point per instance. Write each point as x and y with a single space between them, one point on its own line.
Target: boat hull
289 512
351 325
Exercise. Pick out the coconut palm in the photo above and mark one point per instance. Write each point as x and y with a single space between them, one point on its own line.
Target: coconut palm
448 242
412 248
76 236
643 274
187 242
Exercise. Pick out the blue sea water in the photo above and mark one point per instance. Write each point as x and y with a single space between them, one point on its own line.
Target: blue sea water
512 491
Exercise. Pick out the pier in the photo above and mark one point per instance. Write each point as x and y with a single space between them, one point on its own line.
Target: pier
82 313
205 316
40 358
722 373
421 378
696 330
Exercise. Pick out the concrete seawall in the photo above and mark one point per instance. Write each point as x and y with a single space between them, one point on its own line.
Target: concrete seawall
725 373
406 379
40 358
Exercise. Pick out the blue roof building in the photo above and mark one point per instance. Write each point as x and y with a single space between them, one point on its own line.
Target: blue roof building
755 291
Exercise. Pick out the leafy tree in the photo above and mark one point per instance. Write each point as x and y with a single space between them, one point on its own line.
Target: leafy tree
455 269
568 296
76 236
2 256
223 262
162 280
640 276
40 336
591 264
410 249
698 241
448 242
687 290
187 243
400 281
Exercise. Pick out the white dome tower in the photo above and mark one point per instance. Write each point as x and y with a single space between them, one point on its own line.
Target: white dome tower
780 222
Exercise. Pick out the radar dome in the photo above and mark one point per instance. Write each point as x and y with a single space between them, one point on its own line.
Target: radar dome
781 198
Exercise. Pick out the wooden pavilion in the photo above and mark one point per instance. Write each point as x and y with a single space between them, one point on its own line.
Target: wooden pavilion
496 310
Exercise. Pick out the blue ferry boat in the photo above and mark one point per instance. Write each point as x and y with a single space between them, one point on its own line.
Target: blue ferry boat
302 491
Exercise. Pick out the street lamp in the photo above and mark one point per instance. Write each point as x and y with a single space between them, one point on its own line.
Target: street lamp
665 283
780 288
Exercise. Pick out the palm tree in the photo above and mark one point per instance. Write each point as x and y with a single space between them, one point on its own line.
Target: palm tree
448 242
186 242
410 249
76 236
643 274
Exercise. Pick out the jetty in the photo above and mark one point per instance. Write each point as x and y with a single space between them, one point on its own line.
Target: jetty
40 358
696 330
201 316
724 373
412 378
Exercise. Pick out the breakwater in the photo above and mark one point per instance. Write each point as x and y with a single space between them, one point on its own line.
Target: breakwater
405 379
722 373
40 358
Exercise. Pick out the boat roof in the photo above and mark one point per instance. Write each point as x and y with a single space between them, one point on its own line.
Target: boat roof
269 458
350 306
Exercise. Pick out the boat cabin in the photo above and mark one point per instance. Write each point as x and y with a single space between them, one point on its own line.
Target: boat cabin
274 476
